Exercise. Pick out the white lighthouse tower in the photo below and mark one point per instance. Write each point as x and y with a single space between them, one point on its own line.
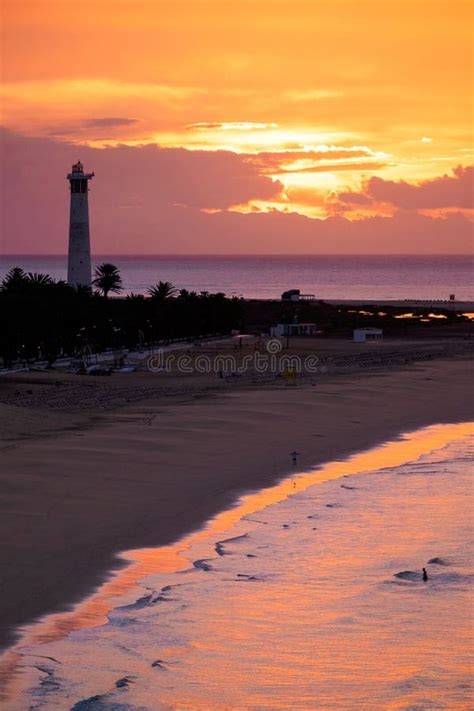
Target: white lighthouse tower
79 256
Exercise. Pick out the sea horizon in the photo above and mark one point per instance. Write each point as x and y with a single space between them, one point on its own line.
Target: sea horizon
266 276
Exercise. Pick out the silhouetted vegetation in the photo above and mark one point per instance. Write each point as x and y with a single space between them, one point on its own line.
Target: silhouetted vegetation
43 319
107 279
161 291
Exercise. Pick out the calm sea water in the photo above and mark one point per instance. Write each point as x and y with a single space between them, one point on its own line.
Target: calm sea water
328 277
308 595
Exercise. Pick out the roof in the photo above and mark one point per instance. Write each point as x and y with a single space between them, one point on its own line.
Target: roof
368 329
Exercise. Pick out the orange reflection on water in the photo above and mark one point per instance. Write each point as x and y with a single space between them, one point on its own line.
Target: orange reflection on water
140 563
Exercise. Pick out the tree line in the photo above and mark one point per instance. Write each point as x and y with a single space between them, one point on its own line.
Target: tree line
43 318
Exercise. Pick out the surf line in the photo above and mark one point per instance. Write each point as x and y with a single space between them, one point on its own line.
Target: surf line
93 610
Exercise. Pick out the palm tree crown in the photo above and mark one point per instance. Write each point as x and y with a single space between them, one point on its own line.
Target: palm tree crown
107 278
14 279
162 291
18 280
38 279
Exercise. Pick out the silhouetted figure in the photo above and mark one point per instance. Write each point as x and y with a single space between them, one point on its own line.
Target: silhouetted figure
425 575
294 456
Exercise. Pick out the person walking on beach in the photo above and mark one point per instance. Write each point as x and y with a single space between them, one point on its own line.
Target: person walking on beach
294 456
425 575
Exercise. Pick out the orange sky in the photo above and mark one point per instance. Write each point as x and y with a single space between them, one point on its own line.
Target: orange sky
319 95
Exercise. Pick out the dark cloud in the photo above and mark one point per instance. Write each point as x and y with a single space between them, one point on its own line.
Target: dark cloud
447 191
335 167
60 132
149 200
335 153
109 121
151 179
83 127
330 159
204 126
353 198
175 230
230 126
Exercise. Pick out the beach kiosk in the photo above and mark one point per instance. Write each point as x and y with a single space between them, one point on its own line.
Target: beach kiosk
296 295
362 335
284 330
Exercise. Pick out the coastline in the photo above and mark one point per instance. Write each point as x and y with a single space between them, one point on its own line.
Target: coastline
51 652
88 508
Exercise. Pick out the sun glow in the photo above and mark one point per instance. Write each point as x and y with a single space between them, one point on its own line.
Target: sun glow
317 113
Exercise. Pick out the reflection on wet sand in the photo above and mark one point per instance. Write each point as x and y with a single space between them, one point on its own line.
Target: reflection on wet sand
141 563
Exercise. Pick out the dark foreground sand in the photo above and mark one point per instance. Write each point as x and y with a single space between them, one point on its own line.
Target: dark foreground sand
153 470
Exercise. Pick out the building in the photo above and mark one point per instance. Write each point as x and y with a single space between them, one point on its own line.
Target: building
293 329
79 254
296 295
361 335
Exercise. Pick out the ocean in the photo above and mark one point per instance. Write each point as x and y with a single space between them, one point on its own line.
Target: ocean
266 277
305 595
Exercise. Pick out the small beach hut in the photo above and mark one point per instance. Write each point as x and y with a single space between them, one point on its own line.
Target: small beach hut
293 329
362 335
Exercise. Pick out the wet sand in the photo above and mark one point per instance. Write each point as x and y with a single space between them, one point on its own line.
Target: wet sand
154 470
335 581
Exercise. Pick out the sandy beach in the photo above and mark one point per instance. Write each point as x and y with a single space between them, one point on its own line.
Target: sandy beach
78 487
291 599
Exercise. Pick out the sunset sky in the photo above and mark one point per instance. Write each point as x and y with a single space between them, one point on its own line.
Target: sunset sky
246 126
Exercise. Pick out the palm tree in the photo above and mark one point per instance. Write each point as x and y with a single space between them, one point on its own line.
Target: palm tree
107 278
15 279
162 291
187 296
36 279
83 290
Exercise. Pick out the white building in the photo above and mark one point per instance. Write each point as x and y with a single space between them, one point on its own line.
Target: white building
79 255
361 335
296 295
293 329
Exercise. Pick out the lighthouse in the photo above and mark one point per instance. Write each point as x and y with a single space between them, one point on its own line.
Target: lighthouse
79 256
